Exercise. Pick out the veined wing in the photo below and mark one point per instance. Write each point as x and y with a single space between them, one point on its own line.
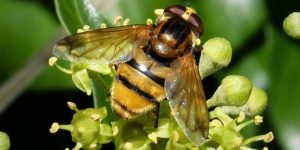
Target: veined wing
186 98
109 45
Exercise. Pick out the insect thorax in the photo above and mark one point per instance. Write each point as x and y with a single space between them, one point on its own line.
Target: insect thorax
171 38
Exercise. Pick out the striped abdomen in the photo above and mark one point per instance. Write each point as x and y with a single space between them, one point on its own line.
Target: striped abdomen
139 86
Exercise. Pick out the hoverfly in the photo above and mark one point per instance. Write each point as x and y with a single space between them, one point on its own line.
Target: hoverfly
154 62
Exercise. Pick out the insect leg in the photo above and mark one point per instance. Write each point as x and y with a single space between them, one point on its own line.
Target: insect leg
156 115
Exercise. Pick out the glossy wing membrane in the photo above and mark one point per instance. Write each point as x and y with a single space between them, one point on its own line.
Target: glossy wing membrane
186 99
109 45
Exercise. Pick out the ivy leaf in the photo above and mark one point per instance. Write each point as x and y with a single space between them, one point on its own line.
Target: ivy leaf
23 34
234 20
74 14
253 66
284 92
138 11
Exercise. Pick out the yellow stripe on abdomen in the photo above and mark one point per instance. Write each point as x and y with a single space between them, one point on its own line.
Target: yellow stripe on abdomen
142 82
127 103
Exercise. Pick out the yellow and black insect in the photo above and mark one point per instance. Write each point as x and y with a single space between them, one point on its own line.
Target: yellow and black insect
154 62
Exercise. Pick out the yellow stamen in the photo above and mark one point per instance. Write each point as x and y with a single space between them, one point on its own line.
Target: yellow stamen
96 117
241 117
54 127
80 30
103 25
86 27
258 120
149 22
159 12
269 137
117 20
126 21
72 105
92 146
52 61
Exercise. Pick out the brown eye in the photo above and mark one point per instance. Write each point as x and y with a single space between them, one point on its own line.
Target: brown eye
176 10
196 22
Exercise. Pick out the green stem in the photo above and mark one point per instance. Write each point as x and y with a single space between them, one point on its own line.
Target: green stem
101 88
66 127
244 124
254 139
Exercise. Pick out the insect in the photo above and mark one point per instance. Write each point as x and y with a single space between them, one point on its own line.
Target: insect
154 62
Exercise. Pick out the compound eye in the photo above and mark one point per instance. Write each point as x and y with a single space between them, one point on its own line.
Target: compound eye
196 22
187 14
176 10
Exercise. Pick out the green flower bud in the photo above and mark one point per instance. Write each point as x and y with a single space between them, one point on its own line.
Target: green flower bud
291 25
161 131
216 54
231 140
223 130
131 135
106 133
4 141
256 104
177 139
233 91
174 145
86 129
82 80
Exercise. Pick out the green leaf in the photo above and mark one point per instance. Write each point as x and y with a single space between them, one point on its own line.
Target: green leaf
74 14
138 11
25 28
252 66
23 34
284 92
235 20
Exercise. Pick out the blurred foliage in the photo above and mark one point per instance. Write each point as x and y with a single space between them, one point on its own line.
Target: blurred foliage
26 27
22 33
262 51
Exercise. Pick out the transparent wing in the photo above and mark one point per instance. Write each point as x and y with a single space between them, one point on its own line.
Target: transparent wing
186 98
109 45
